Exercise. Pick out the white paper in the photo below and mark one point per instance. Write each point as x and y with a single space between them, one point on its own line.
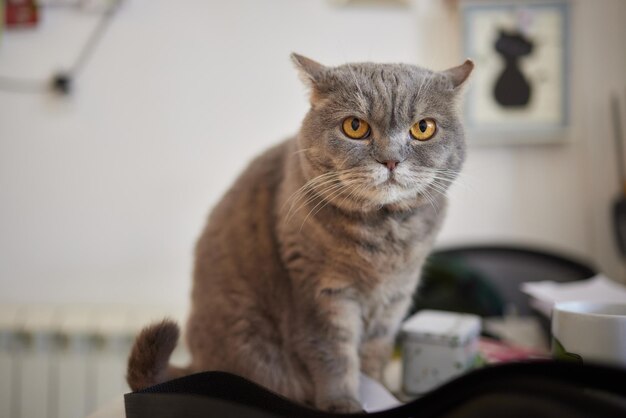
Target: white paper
544 295
374 396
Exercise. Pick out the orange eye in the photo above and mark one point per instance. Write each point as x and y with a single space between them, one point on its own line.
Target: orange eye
355 128
424 129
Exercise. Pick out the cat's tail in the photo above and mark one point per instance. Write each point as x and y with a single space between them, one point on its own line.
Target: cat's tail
148 363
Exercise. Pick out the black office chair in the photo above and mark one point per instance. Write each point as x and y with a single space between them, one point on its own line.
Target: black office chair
518 390
485 279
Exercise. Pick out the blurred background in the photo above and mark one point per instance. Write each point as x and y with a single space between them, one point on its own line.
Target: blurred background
107 178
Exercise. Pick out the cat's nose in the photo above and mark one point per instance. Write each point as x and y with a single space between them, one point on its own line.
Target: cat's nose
391 164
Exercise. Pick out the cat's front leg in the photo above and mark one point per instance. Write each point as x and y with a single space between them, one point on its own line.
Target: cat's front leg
330 350
379 335
375 354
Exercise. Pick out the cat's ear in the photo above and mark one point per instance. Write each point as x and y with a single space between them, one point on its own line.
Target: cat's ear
459 74
310 71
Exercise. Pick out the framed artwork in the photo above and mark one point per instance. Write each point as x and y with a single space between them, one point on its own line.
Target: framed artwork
520 90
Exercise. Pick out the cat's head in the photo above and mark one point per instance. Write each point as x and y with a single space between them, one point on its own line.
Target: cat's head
381 134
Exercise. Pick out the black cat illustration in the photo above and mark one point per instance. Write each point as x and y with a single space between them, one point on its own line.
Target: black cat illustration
512 89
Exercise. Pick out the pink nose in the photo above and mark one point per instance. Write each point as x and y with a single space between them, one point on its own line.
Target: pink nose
391 164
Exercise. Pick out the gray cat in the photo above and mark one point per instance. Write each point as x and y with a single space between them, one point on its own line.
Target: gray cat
307 265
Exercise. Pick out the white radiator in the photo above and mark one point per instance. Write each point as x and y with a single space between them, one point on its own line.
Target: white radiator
63 362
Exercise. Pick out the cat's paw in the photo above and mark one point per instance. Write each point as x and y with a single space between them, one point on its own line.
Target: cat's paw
343 405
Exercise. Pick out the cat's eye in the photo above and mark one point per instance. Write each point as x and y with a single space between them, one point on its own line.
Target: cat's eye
424 129
355 128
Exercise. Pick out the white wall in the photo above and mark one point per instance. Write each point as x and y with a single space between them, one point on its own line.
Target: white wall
103 194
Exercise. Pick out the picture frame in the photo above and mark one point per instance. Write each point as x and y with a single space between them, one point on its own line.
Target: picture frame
520 89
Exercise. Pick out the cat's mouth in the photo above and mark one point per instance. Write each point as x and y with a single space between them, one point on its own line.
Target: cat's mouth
395 179
391 179
400 185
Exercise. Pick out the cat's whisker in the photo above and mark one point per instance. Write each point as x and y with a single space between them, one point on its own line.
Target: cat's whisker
361 195
322 200
329 199
310 184
351 196
446 179
451 177
432 201
313 180
428 170
296 197
319 191
345 182
462 178
317 182
308 198
449 181
342 175
354 192
429 197
317 194
425 193
438 187
423 169
311 194
325 201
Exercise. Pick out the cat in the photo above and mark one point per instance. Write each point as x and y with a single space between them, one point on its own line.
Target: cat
308 263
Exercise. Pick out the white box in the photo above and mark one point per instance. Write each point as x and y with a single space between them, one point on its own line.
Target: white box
437 346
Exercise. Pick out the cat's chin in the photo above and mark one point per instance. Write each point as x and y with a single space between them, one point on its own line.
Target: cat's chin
391 192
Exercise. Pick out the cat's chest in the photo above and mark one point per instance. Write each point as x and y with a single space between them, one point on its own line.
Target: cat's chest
390 246
375 258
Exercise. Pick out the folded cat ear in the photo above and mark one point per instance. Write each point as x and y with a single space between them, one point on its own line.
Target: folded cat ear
458 75
310 71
